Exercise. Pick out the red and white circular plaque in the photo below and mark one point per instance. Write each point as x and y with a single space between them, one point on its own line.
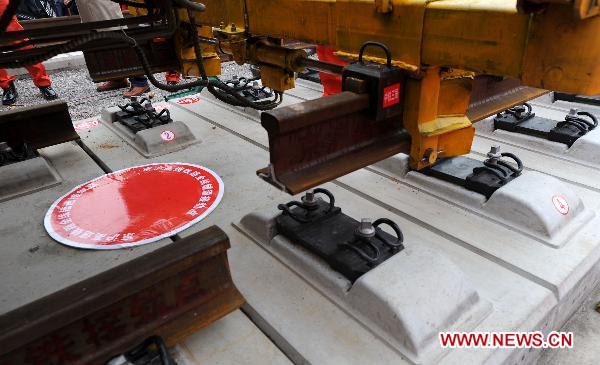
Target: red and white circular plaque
134 206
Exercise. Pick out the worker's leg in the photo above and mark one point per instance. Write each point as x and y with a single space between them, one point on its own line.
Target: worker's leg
5 79
39 75
96 10
9 92
42 81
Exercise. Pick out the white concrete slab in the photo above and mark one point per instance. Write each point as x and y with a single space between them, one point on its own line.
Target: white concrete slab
33 265
480 271
585 152
569 273
233 339
530 285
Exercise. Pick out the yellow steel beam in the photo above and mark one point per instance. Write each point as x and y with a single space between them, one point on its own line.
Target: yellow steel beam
554 49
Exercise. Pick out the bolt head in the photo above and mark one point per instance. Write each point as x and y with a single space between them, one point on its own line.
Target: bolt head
366 228
494 152
309 199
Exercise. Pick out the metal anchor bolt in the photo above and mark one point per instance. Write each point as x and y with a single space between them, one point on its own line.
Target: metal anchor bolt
309 200
494 155
366 228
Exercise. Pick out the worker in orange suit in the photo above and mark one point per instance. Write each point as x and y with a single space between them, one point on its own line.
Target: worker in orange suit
37 71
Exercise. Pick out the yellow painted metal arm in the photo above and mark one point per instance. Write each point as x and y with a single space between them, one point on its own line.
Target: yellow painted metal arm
554 49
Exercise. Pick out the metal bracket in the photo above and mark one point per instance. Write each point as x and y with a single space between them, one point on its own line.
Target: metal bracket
483 177
350 247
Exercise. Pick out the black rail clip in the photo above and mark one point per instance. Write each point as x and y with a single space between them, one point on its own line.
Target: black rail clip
10 155
152 351
494 173
349 247
250 89
521 119
512 117
140 115
576 124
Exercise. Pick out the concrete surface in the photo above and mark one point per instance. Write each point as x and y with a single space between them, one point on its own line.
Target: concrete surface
583 152
370 188
26 177
33 265
530 285
231 340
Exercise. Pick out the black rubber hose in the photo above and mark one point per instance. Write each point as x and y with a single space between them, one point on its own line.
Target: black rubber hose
190 5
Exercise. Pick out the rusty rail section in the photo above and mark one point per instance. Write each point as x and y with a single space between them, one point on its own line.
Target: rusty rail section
39 126
319 140
491 95
171 292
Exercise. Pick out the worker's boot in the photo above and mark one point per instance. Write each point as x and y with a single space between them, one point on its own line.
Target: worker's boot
112 85
10 95
136 91
48 93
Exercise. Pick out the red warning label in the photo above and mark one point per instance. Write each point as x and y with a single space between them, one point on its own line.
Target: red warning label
188 100
161 106
85 125
167 135
391 95
560 204
134 206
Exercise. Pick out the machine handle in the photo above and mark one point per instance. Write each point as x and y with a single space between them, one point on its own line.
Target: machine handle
380 45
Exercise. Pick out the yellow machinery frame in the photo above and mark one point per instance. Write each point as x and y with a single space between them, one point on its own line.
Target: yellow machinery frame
434 41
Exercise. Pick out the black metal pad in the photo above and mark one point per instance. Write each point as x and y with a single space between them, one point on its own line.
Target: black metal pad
250 89
524 121
137 116
329 233
530 125
584 99
471 174
10 155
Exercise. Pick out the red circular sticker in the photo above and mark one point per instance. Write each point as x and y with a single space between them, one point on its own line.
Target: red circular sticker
167 135
188 100
86 124
560 204
134 206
